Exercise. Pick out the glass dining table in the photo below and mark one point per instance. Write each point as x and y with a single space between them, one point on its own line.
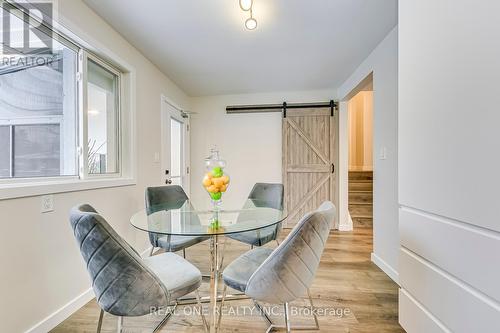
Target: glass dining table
182 219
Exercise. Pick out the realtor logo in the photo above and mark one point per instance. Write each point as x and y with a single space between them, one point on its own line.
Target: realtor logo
20 27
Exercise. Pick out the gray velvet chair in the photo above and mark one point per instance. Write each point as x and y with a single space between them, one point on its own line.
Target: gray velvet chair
126 285
169 197
285 274
263 195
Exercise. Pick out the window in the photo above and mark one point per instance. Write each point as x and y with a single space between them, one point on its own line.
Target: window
102 118
5 151
38 112
60 110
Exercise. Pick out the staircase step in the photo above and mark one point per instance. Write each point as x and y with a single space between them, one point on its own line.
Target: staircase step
361 210
360 203
360 185
363 175
361 196
362 221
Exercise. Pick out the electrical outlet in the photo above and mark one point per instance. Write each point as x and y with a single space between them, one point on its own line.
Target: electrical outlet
47 203
157 157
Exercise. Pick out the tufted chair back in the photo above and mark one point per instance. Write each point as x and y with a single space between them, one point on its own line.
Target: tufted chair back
165 195
123 285
286 274
271 195
163 198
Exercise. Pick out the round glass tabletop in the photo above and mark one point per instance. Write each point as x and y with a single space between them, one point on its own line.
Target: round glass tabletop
182 219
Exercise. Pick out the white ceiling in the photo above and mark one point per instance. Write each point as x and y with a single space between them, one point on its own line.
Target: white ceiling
202 45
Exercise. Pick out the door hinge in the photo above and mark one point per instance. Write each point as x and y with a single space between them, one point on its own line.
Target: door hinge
333 168
187 170
187 127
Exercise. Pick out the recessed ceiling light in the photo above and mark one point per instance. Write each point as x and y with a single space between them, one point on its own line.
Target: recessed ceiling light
246 5
251 23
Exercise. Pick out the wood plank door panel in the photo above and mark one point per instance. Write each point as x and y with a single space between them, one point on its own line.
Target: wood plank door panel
309 155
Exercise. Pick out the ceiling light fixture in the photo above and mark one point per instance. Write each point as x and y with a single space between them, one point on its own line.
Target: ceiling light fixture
251 23
247 6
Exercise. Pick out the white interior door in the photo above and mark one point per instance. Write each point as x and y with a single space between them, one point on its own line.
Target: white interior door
175 145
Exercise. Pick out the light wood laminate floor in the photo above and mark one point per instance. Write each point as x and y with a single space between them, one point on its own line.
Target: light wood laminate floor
347 283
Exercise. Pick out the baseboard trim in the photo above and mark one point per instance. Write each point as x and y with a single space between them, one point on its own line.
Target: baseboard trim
385 267
347 225
63 313
67 310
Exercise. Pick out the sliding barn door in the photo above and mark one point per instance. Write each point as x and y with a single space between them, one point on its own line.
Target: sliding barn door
309 157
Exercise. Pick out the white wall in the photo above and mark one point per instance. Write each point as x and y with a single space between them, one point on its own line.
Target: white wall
360 109
250 143
383 63
41 266
449 64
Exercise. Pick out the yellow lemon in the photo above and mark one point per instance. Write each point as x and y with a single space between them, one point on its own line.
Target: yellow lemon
218 181
225 179
208 175
213 189
223 188
207 181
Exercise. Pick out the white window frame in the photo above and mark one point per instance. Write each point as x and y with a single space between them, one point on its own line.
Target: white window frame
126 145
84 56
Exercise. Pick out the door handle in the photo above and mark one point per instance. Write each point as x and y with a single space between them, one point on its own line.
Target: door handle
168 181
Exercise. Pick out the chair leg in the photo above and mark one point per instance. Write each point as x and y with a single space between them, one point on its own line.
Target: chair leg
99 324
156 329
120 324
277 241
152 250
224 291
200 308
184 253
287 318
312 309
263 313
288 326
165 319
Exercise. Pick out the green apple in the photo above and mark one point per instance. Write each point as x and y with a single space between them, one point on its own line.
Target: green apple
216 196
217 172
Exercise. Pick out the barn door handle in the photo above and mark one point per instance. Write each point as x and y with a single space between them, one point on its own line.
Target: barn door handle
333 168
